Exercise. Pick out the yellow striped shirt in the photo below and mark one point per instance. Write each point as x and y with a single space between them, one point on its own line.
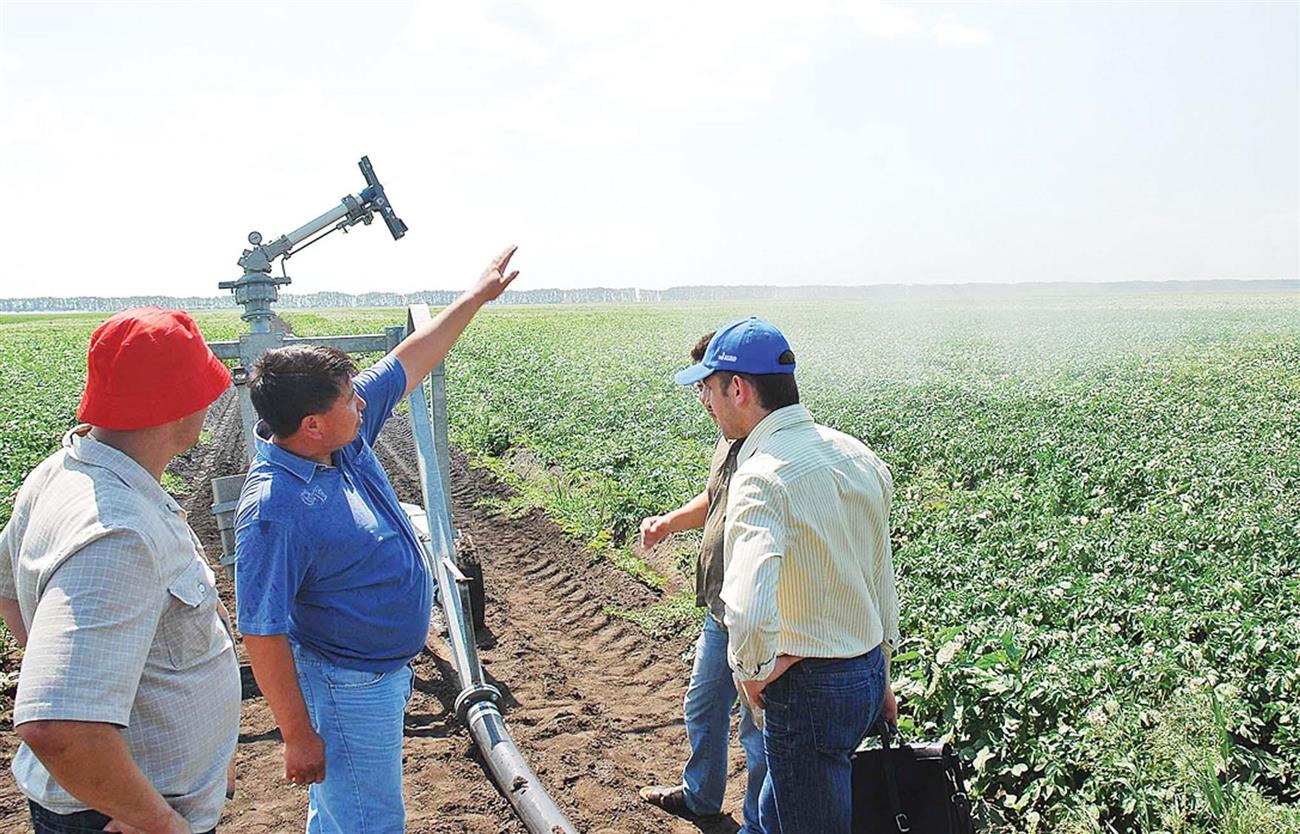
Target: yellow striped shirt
809 569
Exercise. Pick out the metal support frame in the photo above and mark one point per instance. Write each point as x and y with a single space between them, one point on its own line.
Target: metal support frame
430 420
476 704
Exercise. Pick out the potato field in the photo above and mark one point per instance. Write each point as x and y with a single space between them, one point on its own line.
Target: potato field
1096 517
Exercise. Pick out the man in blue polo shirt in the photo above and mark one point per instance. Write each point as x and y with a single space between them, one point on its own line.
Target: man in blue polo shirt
333 592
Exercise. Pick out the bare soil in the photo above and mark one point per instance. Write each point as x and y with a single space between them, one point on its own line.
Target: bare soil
593 702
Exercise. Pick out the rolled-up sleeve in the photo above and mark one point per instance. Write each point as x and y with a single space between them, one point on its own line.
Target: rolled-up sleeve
754 545
91 633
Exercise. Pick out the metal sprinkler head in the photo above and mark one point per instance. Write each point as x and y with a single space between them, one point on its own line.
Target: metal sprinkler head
257 289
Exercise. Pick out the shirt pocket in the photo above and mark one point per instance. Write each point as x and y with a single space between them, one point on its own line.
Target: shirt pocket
190 627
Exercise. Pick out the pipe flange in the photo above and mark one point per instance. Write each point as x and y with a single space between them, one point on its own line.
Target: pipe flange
471 695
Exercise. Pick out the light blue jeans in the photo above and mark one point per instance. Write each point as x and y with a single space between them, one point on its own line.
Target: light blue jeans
710 698
358 716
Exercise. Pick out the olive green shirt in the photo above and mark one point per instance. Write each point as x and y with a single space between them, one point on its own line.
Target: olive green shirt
709 570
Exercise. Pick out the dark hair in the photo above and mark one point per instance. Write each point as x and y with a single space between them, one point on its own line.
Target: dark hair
697 352
289 383
774 390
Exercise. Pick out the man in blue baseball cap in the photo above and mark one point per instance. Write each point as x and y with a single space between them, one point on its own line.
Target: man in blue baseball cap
808 592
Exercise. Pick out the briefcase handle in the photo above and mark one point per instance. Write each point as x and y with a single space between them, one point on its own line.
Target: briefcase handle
888 731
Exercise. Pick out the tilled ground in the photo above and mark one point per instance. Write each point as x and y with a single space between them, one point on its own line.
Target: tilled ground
593 702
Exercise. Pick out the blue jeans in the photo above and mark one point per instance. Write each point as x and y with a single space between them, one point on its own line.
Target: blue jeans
817 714
45 821
710 698
358 716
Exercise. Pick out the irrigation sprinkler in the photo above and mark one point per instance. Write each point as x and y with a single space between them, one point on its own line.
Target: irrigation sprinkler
257 290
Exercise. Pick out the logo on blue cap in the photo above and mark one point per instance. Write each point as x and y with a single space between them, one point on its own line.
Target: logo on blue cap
747 346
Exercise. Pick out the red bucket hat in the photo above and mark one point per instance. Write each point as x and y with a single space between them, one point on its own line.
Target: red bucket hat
146 367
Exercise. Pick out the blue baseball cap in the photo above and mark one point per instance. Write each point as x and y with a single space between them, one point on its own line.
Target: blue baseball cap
747 346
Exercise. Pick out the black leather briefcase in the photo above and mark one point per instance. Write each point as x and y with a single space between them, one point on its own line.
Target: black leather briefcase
902 788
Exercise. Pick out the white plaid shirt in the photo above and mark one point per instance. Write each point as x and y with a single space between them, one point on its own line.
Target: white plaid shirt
121 613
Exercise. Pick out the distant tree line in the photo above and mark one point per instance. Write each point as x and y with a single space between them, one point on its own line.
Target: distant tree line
631 295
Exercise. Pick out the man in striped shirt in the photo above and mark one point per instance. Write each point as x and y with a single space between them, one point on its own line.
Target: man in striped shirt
811 608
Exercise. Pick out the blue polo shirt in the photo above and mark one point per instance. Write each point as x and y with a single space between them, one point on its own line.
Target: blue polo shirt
325 554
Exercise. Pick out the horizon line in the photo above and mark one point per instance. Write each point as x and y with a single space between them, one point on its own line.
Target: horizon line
713 287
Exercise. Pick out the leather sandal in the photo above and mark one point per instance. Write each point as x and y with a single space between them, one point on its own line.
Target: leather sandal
671 799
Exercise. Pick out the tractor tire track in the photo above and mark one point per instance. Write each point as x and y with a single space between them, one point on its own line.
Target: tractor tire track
594 702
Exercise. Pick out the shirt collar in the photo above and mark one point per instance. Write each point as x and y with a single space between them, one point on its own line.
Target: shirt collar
782 418
82 446
299 466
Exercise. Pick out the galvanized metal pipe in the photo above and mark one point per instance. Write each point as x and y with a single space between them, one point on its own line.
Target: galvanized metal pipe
326 220
476 705
517 780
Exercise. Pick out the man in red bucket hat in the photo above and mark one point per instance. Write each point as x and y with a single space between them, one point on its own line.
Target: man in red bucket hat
128 697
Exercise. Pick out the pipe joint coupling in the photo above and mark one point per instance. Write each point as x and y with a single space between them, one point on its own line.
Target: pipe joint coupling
471 695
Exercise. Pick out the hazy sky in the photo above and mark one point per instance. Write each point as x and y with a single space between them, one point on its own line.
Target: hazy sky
650 144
